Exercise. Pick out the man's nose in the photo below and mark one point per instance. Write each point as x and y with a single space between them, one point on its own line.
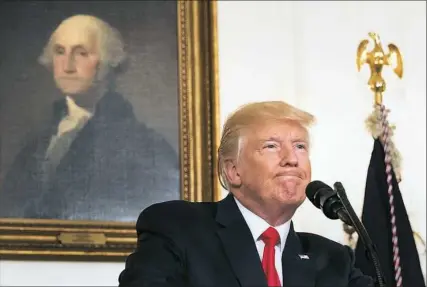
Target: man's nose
69 65
288 157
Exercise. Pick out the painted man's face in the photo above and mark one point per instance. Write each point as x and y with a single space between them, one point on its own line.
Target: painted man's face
75 58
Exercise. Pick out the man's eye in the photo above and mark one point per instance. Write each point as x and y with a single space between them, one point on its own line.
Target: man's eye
270 146
82 53
59 51
301 146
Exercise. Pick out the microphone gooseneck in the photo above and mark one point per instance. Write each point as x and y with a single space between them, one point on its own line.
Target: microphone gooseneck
335 204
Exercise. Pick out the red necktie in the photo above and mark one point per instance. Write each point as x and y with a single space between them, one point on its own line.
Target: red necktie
271 238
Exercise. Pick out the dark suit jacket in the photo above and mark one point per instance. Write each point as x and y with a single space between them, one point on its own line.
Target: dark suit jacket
210 244
114 165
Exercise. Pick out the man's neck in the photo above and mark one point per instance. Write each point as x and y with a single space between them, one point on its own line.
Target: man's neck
274 214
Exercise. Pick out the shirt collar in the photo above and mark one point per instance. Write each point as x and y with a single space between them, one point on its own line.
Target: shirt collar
257 225
75 112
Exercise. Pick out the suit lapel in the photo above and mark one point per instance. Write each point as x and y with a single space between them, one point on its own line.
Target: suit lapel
238 244
299 268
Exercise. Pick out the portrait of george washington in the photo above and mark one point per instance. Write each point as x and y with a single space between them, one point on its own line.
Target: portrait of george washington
88 109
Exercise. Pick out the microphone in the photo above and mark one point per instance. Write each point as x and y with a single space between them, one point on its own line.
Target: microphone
335 204
325 198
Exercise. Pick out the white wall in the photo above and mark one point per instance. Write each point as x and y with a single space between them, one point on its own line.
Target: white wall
304 53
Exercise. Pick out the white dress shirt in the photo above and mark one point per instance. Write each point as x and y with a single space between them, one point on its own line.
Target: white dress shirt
257 225
75 118
60 142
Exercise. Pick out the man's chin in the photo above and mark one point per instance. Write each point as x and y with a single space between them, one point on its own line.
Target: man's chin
75 87
293 202
73 92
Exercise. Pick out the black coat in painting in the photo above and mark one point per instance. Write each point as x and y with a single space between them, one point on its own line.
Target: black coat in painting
115 167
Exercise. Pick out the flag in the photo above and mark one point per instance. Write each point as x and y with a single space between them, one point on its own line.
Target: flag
376 219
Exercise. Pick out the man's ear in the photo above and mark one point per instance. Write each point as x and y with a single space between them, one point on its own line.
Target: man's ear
231 172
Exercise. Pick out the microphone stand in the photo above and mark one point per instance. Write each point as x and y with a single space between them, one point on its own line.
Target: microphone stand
363 234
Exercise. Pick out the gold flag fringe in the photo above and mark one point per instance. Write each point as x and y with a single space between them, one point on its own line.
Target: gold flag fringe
373 124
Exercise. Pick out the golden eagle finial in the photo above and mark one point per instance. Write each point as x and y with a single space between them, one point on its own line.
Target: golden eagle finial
376 59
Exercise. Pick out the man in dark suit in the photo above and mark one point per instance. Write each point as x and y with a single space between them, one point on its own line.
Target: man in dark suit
248 238
94 160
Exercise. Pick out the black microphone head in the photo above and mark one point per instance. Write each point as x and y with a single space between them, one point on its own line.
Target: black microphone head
324 197
312 189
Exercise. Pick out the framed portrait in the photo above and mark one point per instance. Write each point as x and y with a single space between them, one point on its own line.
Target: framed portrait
105 109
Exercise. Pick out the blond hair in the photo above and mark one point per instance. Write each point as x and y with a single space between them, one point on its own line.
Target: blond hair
110 43
248 115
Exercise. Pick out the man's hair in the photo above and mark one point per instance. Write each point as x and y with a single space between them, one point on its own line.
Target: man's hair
109 41
245 117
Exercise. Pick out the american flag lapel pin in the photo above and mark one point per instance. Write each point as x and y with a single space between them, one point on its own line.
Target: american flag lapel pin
303 256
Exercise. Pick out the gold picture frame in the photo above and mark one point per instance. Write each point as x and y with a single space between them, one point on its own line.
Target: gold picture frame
51 239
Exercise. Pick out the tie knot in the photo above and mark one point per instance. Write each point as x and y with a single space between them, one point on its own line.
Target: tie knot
270 237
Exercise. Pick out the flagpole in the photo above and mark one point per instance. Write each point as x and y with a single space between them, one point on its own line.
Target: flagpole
378 123
363 234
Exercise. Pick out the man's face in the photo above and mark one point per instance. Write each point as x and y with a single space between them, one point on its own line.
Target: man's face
75 59
274 165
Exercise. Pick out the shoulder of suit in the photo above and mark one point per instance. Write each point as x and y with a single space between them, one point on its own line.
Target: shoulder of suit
172 207
178 212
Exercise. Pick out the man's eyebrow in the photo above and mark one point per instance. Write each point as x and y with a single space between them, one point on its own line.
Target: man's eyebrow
279 139
79 46
300 139
56 46
273 138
